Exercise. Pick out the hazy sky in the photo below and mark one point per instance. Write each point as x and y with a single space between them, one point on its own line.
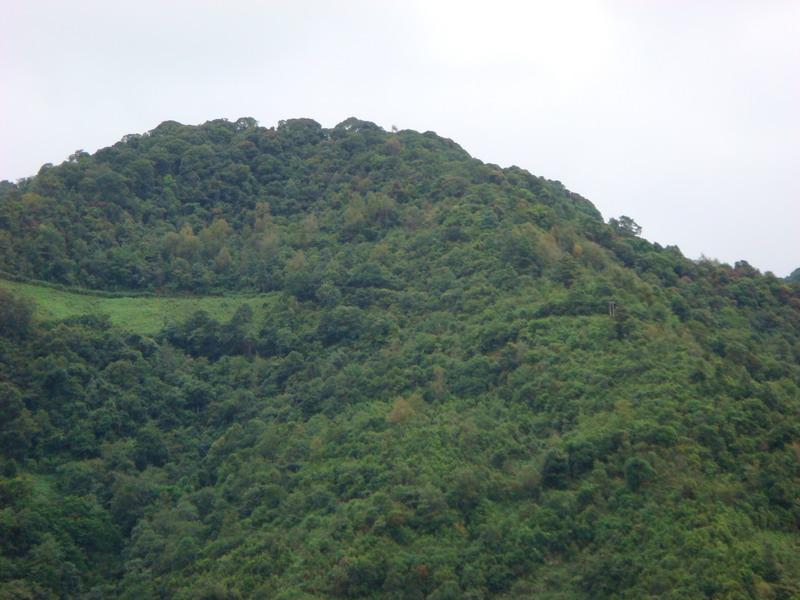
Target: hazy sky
684 115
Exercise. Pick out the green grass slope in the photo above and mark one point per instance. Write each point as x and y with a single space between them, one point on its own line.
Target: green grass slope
138 314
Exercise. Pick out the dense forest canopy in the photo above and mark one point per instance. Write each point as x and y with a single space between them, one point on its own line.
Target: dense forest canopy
230 205
442 379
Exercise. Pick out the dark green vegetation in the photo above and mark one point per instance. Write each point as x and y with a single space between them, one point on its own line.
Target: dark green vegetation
427 399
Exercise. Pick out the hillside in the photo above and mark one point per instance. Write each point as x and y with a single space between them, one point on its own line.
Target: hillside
146 314
348 363
229 205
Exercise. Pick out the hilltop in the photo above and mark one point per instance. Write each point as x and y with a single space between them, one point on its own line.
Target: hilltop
227 205
300 362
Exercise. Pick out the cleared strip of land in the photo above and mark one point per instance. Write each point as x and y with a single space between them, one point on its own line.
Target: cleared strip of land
140 314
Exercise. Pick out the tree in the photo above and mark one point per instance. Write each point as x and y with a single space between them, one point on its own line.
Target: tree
637 472
16 315
626 225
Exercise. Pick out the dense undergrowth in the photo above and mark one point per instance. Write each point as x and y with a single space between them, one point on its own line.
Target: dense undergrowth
429 399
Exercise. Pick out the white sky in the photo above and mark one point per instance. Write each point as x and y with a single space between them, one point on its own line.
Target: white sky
684 115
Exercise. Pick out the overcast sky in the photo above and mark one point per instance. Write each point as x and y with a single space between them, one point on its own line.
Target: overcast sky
683 115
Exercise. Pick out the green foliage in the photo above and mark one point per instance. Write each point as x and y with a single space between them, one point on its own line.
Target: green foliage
637 472
407 383
16 315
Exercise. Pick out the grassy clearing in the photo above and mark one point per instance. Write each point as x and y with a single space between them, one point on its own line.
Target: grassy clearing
145 315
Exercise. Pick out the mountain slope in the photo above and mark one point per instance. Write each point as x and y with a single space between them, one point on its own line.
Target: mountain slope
218 205
456 381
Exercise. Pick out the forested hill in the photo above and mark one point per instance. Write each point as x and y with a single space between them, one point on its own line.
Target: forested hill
239 362
224 205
